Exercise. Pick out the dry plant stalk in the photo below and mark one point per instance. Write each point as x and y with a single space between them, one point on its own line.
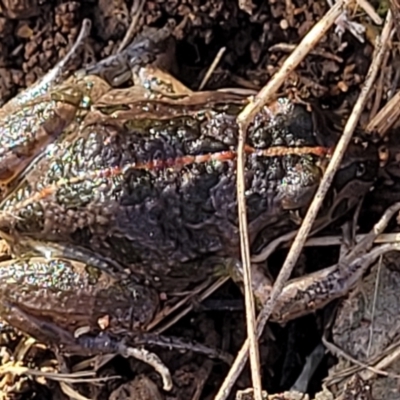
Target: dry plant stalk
136 12
264 97
386 117
395 9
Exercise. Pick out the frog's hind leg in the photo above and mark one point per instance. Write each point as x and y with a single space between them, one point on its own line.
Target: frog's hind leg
75 307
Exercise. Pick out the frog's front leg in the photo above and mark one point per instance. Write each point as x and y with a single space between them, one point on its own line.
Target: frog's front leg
307 294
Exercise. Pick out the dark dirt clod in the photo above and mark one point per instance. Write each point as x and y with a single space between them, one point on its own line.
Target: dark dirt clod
35 34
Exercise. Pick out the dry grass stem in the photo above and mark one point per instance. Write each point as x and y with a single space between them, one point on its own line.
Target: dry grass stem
380 86
382 357
167 310
370 10
267 93
288 48
335 240
212 67
136 11
386 117
264 97
333 166
205 292
375 370
373 311
246 262
391 357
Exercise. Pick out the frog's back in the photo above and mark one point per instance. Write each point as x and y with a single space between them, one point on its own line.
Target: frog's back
156 193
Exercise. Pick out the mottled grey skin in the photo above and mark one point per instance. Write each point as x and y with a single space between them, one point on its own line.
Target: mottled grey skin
144 193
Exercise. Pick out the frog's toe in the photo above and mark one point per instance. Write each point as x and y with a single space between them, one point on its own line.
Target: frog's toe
104 343
151 359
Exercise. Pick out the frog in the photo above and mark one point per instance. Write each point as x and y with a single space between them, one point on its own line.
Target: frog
131 196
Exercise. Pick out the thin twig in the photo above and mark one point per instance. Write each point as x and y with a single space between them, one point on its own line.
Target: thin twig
384 356
264 97
380 86
323 241
288 48
136 11
267 93
213 65
370 11
329 174
203 375
246 261
81 377
391 357
386 117
335 350
376 290
202 295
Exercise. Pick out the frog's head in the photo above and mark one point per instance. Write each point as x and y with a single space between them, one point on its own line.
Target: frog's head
358 170
354 179
319 129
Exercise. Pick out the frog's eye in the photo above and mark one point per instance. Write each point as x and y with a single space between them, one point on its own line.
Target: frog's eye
361 169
